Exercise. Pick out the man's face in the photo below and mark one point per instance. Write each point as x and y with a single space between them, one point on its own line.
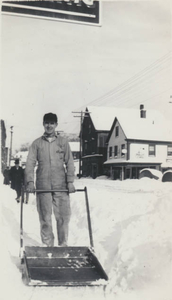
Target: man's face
50 127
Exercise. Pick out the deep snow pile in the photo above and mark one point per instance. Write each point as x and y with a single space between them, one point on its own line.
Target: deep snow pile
132 231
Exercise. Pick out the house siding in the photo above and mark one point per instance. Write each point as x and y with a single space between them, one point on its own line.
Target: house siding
140 151
137 155
117 141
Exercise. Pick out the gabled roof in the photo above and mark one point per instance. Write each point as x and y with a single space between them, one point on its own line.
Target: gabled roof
154 127
102 117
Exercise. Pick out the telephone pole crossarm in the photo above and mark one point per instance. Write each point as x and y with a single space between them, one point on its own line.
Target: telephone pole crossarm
80 154
81 116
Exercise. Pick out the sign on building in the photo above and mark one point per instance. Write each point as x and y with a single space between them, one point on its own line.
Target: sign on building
77 11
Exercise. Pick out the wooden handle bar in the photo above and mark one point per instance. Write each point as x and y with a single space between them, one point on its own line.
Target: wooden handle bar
53 191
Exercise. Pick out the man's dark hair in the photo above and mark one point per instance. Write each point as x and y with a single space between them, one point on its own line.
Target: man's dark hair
50 118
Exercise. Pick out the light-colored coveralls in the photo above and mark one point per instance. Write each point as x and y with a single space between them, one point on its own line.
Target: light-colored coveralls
55 169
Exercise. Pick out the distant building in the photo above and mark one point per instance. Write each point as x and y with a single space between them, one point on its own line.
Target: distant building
75 148
137 139
95 129
4 149
22 155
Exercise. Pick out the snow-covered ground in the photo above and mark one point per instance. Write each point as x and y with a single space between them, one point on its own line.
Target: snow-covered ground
132 231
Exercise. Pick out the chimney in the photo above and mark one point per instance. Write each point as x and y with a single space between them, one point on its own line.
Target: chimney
142 112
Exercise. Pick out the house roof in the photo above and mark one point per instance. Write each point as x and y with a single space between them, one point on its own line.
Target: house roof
102 117
154 127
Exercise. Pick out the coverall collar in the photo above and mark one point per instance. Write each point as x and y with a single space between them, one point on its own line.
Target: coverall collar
49 139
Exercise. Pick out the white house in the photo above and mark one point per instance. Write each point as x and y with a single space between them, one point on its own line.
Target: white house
138 139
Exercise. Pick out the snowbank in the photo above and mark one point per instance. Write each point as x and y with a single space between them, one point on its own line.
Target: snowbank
151 173
132 232
167 176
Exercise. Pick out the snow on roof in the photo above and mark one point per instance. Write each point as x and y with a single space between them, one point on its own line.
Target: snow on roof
74 146
102 117
153 127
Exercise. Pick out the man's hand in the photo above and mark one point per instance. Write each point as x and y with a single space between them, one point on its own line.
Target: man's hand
30 187
71 187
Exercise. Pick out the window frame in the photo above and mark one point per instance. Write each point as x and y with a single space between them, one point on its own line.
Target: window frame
116 131
169 152
152 152
115 151
122 154
110 152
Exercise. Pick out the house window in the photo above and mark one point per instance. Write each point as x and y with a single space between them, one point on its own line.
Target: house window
116 150
151 150
169 150
110 151
117 131
102 141
89 128
122 148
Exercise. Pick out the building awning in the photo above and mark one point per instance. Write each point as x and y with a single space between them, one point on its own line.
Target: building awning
93 155
167 164
127 162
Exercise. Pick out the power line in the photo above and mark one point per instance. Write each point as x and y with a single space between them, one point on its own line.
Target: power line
129 81
145 80
130 87
133 92
154 66
151 97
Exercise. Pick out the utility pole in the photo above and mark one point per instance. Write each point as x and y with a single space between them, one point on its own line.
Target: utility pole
10 154
82 115
80 148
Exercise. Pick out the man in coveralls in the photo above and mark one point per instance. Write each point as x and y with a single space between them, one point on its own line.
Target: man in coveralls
55 171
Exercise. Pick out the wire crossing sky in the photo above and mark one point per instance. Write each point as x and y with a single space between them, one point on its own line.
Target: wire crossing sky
150 75
51 66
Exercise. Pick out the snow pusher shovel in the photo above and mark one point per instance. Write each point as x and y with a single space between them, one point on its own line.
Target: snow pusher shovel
61 266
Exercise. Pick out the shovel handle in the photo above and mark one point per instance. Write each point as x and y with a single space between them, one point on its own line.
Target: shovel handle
89 219
51 191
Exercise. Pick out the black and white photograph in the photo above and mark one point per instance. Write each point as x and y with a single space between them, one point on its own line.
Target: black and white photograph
86 149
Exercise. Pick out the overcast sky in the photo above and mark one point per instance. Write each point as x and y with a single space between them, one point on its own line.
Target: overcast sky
52 66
